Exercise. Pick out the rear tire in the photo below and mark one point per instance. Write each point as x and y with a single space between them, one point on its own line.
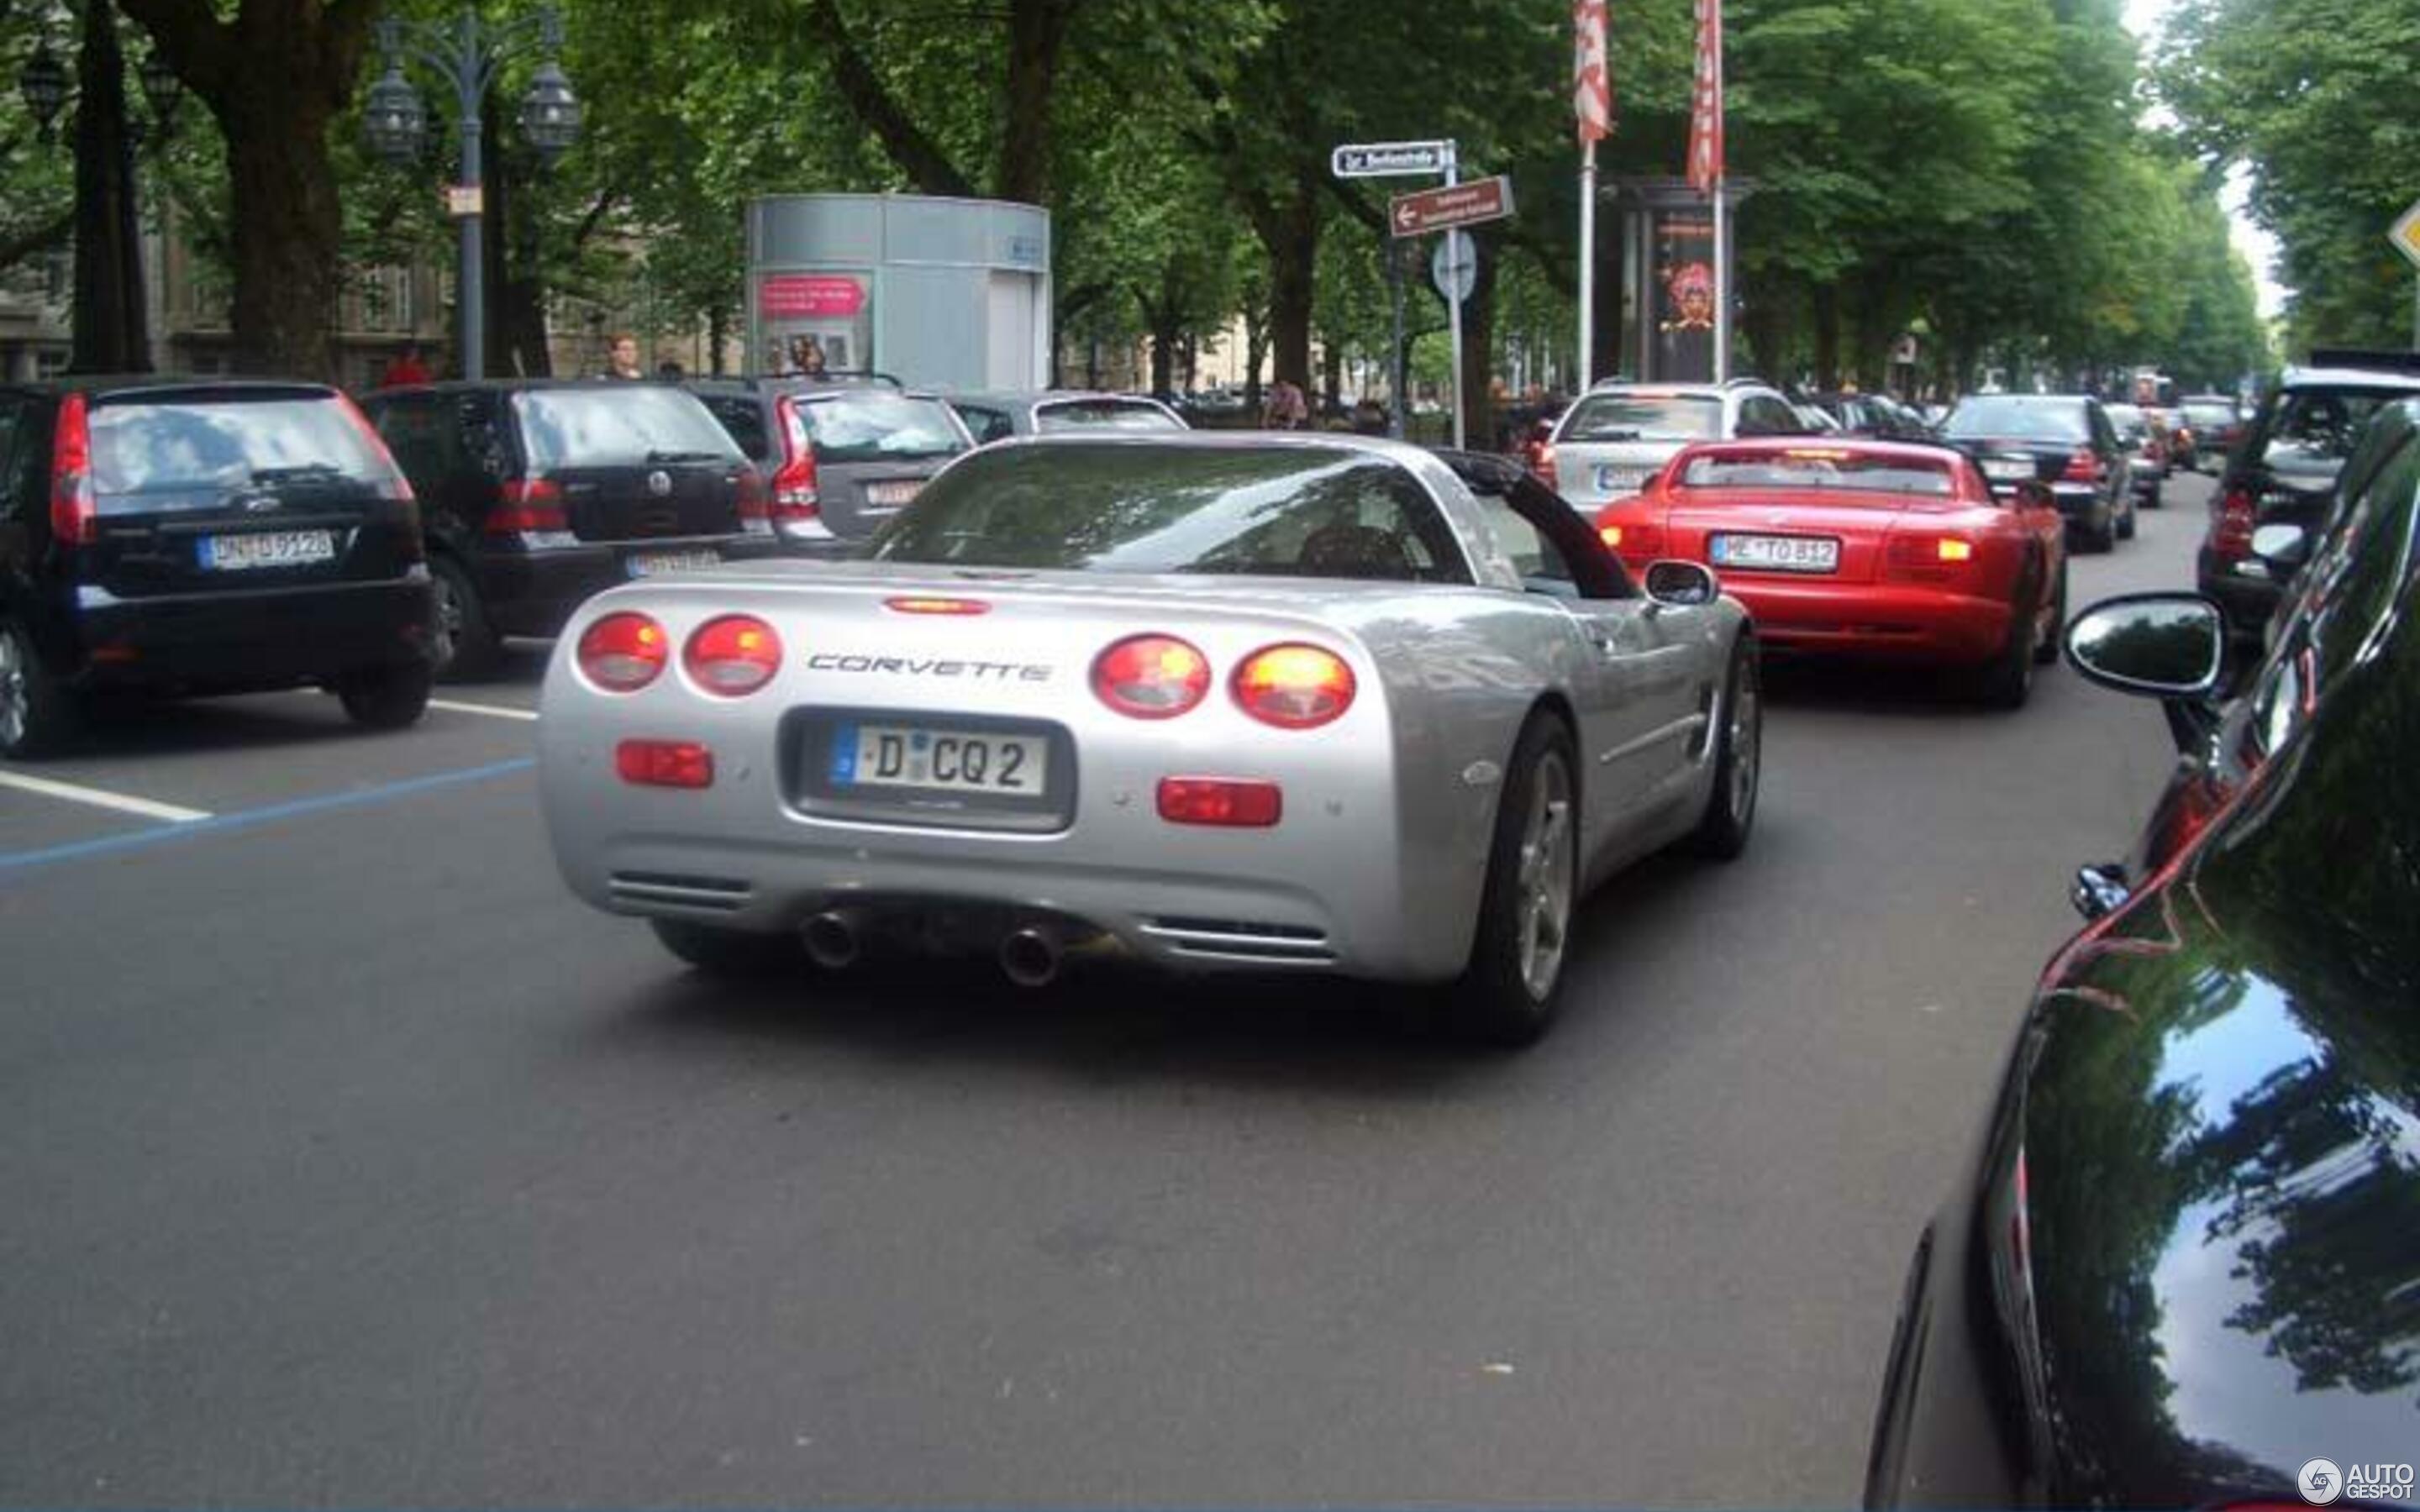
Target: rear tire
2151 500
1507 994
729 952
2008 679
37 717
1739 759
386 697
2046 647
461 642
2125 523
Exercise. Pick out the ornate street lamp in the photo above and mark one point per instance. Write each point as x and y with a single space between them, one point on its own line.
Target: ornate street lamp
468 55
44 84
164 91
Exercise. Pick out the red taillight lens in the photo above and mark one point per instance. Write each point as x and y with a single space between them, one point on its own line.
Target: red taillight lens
527 505
1227 802
623 653
733 656
755 508
75 519
1151 677
395 487
937 605
2083 466
2230 534
664 764
1294 688
1925 557
794 495
1624 532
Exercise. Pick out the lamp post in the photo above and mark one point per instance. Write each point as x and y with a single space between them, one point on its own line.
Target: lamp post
468 55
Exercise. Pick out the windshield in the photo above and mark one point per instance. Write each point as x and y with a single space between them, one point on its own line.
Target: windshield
874 425
1106 507
2128 420
210 445
1645 417
618 425
1815 467
2023 418
1104 414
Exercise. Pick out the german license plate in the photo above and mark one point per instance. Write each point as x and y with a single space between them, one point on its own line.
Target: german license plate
268 549
1622 480
1776 553
2009 469
938 761
648 564
893 494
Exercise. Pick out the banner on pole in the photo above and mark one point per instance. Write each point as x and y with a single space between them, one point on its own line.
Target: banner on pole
1706 101
1591 83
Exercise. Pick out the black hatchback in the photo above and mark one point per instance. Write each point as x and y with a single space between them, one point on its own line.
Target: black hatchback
537 493
201 535
2065 441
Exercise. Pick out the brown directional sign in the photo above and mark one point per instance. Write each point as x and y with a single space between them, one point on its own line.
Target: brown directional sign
1436 209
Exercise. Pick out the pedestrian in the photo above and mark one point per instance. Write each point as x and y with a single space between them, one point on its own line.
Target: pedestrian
404 367
669 370
623 362
1285 407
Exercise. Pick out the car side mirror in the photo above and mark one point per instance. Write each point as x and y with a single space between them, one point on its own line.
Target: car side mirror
2283 547
1681 584
2162 645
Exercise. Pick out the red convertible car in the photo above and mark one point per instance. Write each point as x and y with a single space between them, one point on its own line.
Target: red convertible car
1892 550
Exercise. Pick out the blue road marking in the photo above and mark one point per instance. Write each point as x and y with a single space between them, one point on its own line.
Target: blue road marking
251 818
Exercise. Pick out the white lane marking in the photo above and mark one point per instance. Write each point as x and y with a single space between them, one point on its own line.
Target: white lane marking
98 798
495 711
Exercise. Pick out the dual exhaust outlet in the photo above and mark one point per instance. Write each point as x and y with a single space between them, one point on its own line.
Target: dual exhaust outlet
1030 956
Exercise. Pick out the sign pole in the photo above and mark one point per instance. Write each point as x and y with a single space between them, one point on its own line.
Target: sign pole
1452 176
1588 266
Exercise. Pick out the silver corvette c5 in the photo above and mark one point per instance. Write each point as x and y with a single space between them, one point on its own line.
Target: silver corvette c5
1317 703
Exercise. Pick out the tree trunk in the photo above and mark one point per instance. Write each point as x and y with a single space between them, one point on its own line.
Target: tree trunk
1478 347
1291 236
718 327
1828 335
1037 30
110 331
1256 346
509 251
1332 372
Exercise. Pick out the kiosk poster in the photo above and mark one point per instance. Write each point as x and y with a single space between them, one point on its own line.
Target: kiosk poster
814 322
1684 297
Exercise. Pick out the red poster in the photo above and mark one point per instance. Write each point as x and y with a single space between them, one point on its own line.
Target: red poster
782 296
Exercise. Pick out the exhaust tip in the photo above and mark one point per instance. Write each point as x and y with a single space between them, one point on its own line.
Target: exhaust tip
1029 957
832 942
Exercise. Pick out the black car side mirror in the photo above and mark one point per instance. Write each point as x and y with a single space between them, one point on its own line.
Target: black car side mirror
2162 645
1681 584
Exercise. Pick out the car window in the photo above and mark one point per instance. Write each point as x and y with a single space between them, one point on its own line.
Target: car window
147 449
624 425
1531 554
2018 417
421 433
14 411
1643 417
1292 512
742 417
1103 414
1763 415
1819 466
988 425
2321 425
875 426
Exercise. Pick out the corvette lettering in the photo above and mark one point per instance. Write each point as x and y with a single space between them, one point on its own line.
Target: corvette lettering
832 661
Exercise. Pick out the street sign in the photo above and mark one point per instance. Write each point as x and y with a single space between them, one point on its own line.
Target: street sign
1453 267
2405 234
1390 160
465 199
1434 209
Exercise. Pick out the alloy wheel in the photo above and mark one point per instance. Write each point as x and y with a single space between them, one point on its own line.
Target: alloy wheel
16 699
1546 882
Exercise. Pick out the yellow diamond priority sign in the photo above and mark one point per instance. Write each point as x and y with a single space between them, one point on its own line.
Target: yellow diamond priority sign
2405 234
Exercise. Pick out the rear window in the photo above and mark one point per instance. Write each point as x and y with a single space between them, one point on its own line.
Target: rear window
1642 417
2215 415
618 425
1107 507
147 448
2128 420
878 427
2320 426
2021 419
743 418
1821 468
1105 414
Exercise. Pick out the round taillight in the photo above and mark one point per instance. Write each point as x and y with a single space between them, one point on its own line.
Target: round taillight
623 653
735 655
1151 677
1294 687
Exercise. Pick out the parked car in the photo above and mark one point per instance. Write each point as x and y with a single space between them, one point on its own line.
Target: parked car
991 417
173 537
1878 549
1212 700
2147 450
843 457
2064 441
1616 435
2284 472
2182 1267
535 493
1877 415
2217 425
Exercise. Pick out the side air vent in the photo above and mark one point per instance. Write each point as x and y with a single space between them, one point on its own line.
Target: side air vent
660 889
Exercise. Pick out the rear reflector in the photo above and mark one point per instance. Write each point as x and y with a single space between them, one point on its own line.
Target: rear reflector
1151 677
1229 803
664 764
1948 550
733 656
937 605
623 653
526 505
1293 687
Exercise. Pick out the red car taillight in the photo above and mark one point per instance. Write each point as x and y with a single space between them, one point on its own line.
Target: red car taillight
1225 802
1151 677
1923 556
664 764
2230 533
1633 539
794 495
1293 687
527 505
623 653
733 656
2083 466
75 519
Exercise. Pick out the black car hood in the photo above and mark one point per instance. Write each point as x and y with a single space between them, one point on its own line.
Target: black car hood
2221 1129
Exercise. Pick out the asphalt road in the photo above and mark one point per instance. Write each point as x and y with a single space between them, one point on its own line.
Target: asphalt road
350 1161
